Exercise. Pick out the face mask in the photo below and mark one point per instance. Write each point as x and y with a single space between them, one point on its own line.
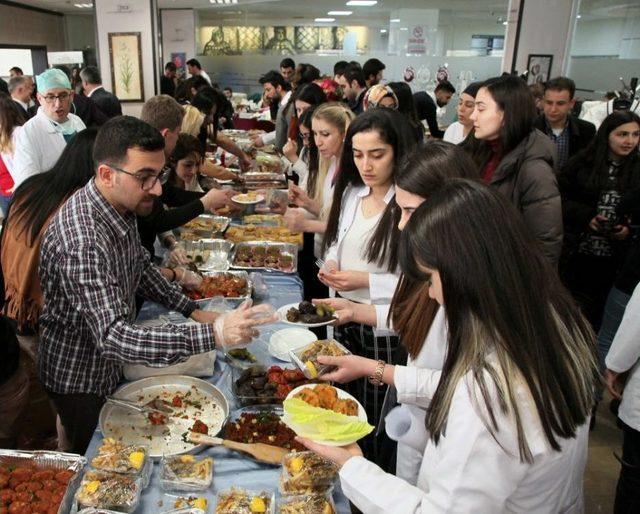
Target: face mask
66 129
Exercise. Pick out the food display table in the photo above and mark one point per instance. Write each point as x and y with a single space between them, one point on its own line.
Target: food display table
230 468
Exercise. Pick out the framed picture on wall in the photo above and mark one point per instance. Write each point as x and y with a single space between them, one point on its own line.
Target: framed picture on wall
539 68
126 66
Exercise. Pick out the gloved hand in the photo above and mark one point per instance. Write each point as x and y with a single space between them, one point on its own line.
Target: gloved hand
178 255
236 327
187 279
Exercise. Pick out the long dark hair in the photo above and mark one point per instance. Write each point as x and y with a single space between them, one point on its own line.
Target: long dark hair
209 100
41 195
313 164
510 320
310 93
514 99
394 130
596 155
406 104
186 145
10 118
423 172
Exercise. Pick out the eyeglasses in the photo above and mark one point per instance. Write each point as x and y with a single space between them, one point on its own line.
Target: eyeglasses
50 99
147 182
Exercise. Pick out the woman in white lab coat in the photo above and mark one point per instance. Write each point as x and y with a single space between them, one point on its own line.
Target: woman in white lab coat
508 414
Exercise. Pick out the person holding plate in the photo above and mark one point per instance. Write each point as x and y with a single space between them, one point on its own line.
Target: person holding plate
508 415
361 242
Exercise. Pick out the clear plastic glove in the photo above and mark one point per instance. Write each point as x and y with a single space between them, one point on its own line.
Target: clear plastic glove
237 327
187 279
216 198
178 255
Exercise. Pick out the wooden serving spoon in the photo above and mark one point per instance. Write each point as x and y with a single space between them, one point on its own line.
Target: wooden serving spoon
259 451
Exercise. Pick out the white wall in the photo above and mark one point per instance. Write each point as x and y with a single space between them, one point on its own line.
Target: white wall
178 32
546 28
137 19
20 26
611 36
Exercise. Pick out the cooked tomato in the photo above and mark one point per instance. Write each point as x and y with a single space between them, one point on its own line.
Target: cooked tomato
157 418
177 401
22 474
44 495
19 508
64 476
4 480
23 496
6 496
51 485
41 476
200 427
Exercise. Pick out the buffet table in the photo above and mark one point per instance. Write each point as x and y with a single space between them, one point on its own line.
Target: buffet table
230 468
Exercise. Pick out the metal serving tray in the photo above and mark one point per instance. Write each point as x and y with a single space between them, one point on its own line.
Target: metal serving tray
50 460
132 428
242 274
202 232
287 248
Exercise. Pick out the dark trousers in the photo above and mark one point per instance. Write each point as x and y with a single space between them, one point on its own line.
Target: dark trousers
360 340
589 278
79 415
628 489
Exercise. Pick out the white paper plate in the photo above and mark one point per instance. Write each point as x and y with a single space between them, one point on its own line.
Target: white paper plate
362 415
238 199
287 339
282 312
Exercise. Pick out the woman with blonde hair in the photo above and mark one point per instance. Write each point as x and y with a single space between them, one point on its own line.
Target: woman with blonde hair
329 125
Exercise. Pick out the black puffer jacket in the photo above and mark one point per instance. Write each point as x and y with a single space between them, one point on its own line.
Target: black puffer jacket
525 176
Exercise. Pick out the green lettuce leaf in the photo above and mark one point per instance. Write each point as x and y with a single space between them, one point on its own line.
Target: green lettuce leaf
322 424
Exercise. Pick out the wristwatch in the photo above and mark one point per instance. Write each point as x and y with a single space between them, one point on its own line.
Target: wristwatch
376 377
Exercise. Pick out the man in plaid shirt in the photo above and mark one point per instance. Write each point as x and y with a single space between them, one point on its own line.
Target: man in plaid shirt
91 267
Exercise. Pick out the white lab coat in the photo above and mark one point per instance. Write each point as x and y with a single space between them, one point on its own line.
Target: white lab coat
39 146
406 423
624 355
470 471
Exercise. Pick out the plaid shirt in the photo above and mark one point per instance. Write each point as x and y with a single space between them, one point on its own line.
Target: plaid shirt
91 267
562 142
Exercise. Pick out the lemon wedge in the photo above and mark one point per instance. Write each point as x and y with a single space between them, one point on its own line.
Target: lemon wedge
92 486
136 459
296 464
258 505
187 458
312 369
200 503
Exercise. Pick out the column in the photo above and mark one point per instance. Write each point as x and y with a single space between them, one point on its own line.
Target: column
115 17
539 27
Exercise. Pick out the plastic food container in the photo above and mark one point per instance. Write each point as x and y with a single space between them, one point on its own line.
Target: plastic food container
306 357
115 457
306 504
250 386
186 473
306 473
241 501
110 491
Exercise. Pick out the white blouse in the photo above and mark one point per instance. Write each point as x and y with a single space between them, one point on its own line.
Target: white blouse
624 355
381 285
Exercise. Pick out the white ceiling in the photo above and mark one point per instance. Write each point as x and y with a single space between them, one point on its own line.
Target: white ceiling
306 11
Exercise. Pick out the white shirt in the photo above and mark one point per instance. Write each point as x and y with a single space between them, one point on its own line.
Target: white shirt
353 255
93 91
405 423
270 137
624 355
327 199
8 158
595 112
469 471
440 111
381 285
39 145
454 133
205 75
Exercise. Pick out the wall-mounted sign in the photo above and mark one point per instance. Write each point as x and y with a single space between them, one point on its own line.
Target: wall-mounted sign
417 41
